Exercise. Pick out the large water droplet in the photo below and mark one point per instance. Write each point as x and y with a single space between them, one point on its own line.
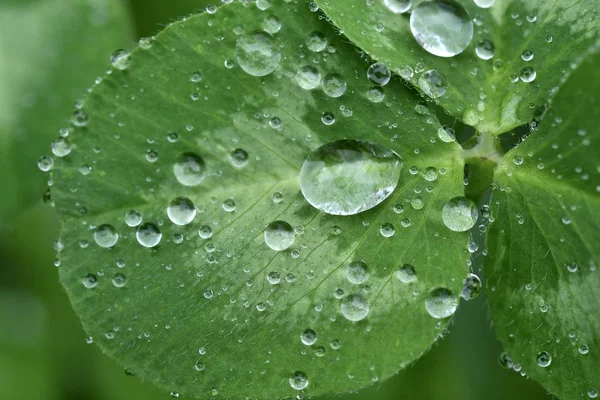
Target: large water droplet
398 6
355 307
239 158
133 218
90 281
181 211
299 380
106 236
334 85
256 53
379 73
308 337
471 287
279 235
148 235
346 177
189 169
485 49
544 359
441 303
407 273
442 27
484 3
308 77
460 214
357 272
316 42
433 83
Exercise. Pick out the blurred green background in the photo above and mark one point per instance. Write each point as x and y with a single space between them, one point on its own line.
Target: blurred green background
50 52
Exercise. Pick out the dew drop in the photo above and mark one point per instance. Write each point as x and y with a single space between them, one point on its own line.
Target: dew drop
308 337
378 73
441 303
433 83
45 163
485 49
442 27
446 134
90 281
308 77
387 230
334 85
460 214
205 232
148 235
189 169
181 211
357 272
484 3
544 359
355 307
256 53
119 280
298 380
528 74
316 42
471 287
279 235
120 60
398 6
239 158
61 147
106 236
346 177
406 273
133 218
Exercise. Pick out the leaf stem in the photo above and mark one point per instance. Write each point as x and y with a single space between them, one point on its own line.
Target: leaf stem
485 149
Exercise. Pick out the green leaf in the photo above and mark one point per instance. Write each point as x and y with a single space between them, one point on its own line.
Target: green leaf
217 293
44 69
482 92
544 244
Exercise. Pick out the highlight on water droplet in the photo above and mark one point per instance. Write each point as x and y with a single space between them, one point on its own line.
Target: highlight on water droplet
347 177
442 27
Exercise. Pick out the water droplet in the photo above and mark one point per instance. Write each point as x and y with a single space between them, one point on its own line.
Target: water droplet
398 6
471 287
119 280
45 163
228 205
460 214
189 169
357 272
334 85
355 307
298 380
592 393
446 134
484 3
239 158
528 74
387 230
442 27
199 366
406 273
544 359
120 60
61 147
256 53
308 337
584 349
106 236
308 77
279 235
375 94
527 55
346 177
441 303
272 24
433 83
273 278
378 73
196 77
485 49
90 281
148 235
316 42
181 211
133 218
205 232
328 118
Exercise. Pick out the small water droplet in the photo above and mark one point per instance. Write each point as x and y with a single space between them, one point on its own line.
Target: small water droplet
406 273
316 42
485 49
544 359
133 218
357 272
379 73
471 287
148 235
441 303
119 280
460 214
308 77
90 281
298 380
355 307
433 83
279 235
106 236
181 211
398 6
334 85
256 53
120 60
308 337
189 169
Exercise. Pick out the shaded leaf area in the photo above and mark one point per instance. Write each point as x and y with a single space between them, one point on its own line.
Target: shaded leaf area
544 244
44 69
487 94
152 16
242 303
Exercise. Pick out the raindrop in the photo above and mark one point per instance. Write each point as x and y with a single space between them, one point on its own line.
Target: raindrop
346 177
442 27
228 205
298 380
308 337
446 134
316 42
308 77
120 60
196 77
544 359
273 277
148 235
189 169
387 230
355 307
181 211
460 214
119 280
279 235
398 6
239 158
357 272
256 53
528 74
527 55
334 85
61 147
485 49
406 273
471 287
45 163
378 73
90 281
106 236
433 83
441 303
133 218
205 232
484 3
